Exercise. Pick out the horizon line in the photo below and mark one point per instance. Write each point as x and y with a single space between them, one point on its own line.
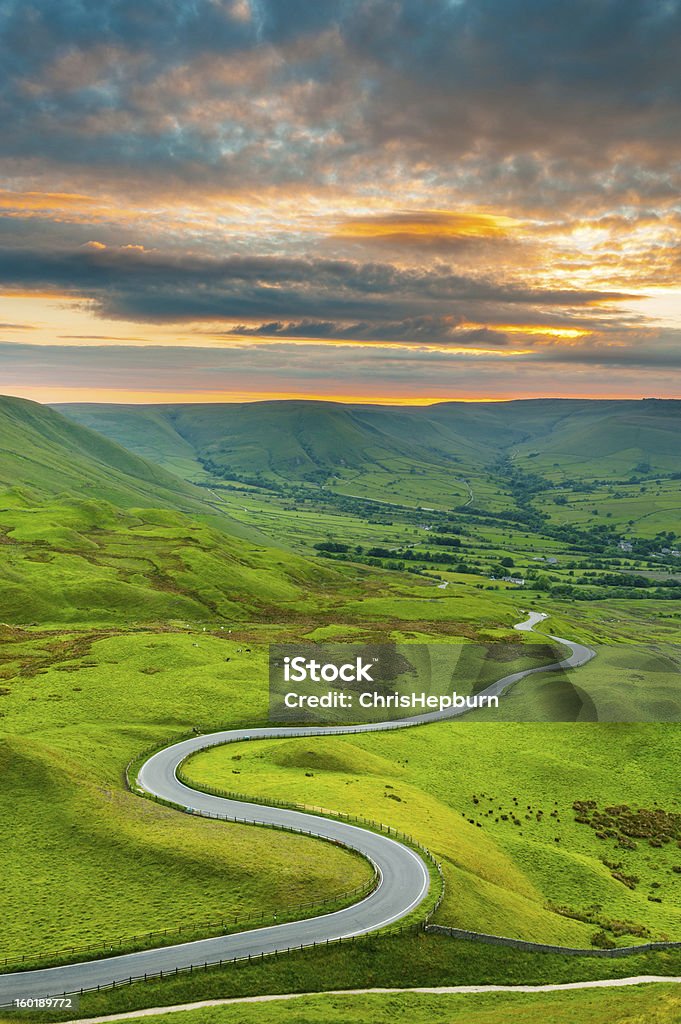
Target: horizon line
407 402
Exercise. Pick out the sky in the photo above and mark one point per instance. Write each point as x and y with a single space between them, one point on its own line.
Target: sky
391 201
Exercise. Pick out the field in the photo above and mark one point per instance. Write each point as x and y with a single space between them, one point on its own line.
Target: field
110 865
381 962
460 788
138 606
658 1005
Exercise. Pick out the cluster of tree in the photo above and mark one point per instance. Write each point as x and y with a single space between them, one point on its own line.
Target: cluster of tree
591 588
449 542
223 471
652 545
622 579
412 555
384 558
527 517
333 547
449 525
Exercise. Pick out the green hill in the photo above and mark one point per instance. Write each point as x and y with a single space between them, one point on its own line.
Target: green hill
610 439
307 440
93 533
292 439
444 455
41 449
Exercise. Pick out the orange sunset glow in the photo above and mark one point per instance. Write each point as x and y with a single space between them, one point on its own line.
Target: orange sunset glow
254 204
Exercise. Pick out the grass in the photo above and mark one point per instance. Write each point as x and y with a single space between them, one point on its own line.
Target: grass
307 441
140 607
76 705
391 961
124 627
658 1004
440 782
108 863
624 683
43 450
642 509
89 563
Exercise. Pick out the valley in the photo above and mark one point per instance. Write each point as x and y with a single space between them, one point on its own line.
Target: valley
150 554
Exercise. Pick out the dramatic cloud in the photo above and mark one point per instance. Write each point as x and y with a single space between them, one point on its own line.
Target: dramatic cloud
428 330
452 179
133 284
122 373
211 90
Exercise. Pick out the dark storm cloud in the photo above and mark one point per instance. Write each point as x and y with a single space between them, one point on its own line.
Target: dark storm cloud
662 351
130 284
617 59
537 95
78 81
426 329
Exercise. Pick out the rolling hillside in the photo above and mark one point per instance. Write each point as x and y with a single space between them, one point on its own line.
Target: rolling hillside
610 440
93 533
43 450
313 441
306 441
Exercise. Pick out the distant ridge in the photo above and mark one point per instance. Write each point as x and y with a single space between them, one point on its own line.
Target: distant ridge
310 440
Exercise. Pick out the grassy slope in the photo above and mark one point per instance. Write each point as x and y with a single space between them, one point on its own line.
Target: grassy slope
46 457
293 439
659 1004
92 534
83 693
76 709
90 563
77 704
439 783
611 443
196 683
147 430
120 659
395 961
41 449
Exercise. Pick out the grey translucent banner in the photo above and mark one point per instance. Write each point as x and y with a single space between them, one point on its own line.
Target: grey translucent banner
345 684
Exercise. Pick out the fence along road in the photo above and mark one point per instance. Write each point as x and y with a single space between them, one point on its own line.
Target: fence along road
403 876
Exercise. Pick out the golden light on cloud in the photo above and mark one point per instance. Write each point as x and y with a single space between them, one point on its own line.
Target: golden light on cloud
567 333
428 224
43 200
452 348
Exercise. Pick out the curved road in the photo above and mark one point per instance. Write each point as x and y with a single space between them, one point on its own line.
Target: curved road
403 878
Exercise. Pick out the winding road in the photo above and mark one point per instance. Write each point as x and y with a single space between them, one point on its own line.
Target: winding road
403 876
